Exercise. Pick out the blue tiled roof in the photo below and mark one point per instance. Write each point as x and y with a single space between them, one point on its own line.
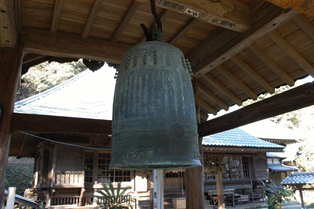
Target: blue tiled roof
300 178
279 167
237 138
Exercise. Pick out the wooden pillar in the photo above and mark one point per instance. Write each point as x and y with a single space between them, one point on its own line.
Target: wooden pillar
158 189
301 197
220 191
10 65
195 184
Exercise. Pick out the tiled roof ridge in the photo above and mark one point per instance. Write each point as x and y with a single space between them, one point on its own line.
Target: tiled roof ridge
52 90
302 173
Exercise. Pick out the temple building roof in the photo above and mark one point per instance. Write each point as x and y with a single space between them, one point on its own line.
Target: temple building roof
300 178
238 138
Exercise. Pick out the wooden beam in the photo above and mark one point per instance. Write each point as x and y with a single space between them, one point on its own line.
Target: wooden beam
91 18
40 41
236 82
212 97
54 124
301 61
183 30
305 26
11 62
293 99
256 77
222 89
126 19
230 14
303 6
209 57
8 24
56 15
272 65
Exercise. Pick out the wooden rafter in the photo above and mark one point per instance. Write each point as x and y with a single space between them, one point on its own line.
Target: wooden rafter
18 15
305 26
208 58
183 30
302 62
300 97
43 42
256 77
272 65
8 31
222 89
207 106
231 14
133 7
236 82
56 15
212 97
91 18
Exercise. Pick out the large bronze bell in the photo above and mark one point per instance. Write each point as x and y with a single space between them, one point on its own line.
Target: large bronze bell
154 120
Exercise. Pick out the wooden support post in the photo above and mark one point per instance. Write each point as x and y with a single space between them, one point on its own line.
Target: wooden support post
159 189
220 191
195 184
10 65
301 196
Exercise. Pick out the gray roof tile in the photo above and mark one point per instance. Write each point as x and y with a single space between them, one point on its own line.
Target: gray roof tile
299 178
87 95
237 138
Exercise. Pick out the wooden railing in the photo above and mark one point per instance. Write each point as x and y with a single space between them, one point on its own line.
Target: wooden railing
65 200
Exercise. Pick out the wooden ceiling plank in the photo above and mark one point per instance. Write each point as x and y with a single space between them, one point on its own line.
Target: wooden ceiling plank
227 49
56 15
56 124
207 106
231 14
183 30
272 65
8 32
256 77
236 82
40 41
222 89
133 7
212 97
305 26
91 18
301 61
296 98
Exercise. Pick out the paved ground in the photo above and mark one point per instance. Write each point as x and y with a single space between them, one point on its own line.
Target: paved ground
263 205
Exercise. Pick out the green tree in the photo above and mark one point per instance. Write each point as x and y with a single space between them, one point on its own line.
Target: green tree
19 174
45 76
